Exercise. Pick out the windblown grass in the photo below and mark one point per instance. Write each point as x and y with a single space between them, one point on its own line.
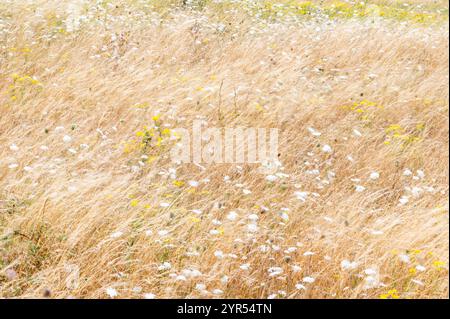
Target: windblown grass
88 210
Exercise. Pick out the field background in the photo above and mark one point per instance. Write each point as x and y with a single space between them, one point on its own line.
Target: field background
92 207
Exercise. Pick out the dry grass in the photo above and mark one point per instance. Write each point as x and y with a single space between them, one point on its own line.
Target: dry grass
66 206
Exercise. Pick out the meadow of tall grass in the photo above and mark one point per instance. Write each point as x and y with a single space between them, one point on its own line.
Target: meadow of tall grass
93 206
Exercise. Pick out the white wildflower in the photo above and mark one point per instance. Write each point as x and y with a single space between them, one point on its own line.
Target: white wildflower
219 254
14 147
404 258
232 216
403 200
165 266
252 228
314 132
420 268
301 196
374 175
217 292
299 286
193 183
327 148
117 234
245 266
111 292
348 265
275 271
407 172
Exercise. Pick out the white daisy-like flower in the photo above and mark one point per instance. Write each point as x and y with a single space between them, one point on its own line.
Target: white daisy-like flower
299 286
403 200
370 272
217 291
371 282
14 147
374 175
327 148
420 268
216 222
111 292
404 258
116 234
252 228
193 183
420 173
232 216
359 188
314 132
296 268
301 196
264 248
200 287
214 232
407 172
416 191
284 216
149 296
165 266
308 279
348 265
357 133
245 266
191 273
10 273
67 139
275 271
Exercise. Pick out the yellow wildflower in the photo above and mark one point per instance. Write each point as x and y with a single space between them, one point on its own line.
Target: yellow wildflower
195 219
178 183
439 265
391 294
134 203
